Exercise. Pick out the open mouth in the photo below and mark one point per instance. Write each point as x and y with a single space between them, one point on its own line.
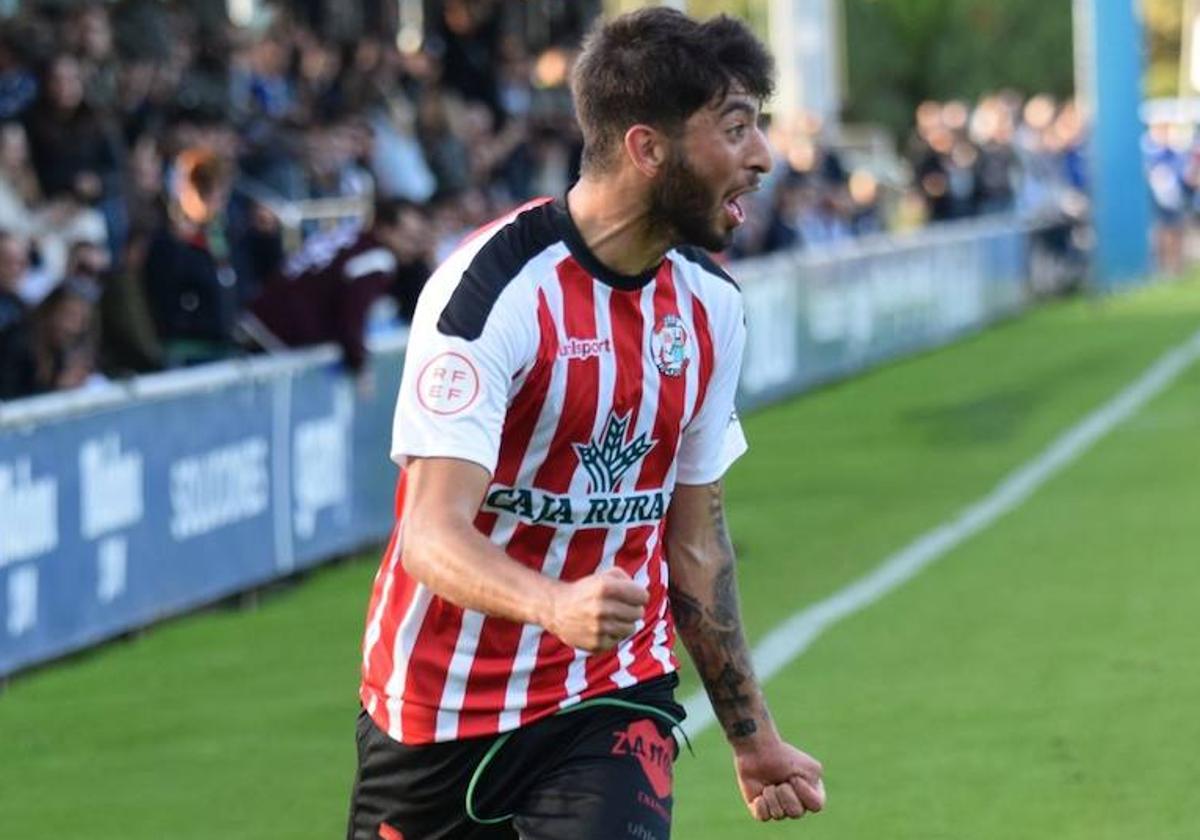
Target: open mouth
733 207
733 204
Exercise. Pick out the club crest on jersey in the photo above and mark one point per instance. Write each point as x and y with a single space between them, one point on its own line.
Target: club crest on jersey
607 460
669 346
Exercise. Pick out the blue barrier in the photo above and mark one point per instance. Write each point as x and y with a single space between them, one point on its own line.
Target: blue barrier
127 504
133 503
815 317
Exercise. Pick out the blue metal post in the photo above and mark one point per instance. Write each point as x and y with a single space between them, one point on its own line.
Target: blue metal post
1109 51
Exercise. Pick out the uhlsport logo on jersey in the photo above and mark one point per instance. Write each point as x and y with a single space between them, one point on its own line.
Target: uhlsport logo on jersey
607 460
585 348
669 346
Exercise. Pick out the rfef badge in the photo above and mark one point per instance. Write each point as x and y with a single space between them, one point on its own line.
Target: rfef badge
448 384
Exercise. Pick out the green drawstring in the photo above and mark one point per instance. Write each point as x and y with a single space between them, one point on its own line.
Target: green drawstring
483 763
499 743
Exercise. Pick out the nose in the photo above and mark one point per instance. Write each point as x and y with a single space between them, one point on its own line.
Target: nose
759 156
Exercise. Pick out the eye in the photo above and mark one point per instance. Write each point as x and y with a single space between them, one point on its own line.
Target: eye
736 132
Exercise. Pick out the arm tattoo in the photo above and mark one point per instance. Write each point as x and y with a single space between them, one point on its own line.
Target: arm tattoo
717 511
709 622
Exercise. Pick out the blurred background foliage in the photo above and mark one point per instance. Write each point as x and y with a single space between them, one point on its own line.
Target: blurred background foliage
1164 28
900 52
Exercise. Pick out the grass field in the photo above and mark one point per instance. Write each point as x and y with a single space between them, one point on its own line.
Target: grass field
1041 681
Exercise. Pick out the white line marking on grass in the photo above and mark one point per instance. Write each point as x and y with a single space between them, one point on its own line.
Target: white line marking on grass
791 638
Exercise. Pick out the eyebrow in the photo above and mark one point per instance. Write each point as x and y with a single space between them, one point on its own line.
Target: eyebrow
744 107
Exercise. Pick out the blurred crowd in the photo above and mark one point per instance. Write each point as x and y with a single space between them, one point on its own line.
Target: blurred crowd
156 163
1004 154
175 189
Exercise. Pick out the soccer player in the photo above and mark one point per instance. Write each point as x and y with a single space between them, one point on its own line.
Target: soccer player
563 424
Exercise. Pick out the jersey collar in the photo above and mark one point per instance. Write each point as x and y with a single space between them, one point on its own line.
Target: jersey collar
584 256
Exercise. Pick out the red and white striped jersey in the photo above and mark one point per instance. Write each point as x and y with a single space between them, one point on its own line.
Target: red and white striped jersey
587 396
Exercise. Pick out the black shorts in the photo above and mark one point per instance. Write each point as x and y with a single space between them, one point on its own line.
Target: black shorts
600 773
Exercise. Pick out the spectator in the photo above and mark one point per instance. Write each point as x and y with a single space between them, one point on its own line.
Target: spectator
18 85
145 196
397 159
326 292
514 80
912 211
57 225
18 275
188 278
365 75
783 231
822 220
64 338
262 88
414 260
441 121
87 265
16 359
129 342
961 188
927 120
932 172
490 150
258 248
331 153
866 216
469 36
1071 135
551 165
142 30
202 73
74 150
1166 170
89 36
996 166
1042 175
19 191
449 219
318 68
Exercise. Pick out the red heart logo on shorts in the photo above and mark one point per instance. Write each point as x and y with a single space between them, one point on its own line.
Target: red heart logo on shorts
653 750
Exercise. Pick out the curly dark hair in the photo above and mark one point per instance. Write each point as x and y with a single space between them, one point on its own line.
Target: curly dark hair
657 66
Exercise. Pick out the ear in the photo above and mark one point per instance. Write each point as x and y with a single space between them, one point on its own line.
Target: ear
647 148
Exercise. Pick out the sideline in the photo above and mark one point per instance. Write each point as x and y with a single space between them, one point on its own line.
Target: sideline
790 639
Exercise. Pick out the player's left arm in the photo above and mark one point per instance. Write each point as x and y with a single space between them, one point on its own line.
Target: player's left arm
777 780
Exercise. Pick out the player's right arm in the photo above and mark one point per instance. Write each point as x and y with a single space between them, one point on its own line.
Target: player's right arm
441 548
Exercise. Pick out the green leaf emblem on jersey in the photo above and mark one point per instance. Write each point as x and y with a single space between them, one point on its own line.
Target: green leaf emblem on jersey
608 459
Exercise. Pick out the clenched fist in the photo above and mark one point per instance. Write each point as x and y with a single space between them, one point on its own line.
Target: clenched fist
596 612
779 781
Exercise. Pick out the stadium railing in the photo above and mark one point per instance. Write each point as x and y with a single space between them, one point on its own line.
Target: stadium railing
134 501
295 215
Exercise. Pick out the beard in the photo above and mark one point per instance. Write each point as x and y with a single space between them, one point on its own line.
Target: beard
683 205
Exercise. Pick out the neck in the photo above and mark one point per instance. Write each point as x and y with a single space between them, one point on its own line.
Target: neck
613 217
